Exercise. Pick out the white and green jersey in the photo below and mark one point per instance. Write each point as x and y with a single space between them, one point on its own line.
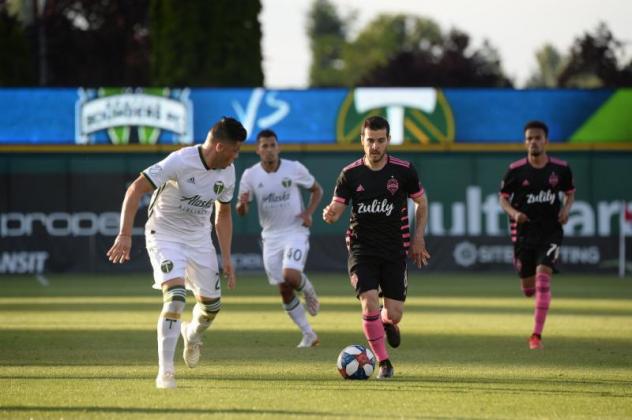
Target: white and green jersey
279 199
185 192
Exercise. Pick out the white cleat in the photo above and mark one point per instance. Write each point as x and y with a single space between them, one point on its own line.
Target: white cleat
311 299
166 380
309 340
191 352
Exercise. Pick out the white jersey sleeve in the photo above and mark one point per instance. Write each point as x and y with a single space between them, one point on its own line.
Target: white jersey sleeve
302 176
245 184
167 169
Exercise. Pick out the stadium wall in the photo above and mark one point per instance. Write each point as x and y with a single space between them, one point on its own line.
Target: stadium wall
59 211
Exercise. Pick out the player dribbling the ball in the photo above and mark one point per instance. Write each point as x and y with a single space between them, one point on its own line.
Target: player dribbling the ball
379 237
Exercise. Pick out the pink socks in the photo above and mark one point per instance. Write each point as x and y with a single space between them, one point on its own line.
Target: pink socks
542 300
374 333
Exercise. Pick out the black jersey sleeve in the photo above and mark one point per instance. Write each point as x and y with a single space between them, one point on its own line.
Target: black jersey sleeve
508 183
342 192
567 184
412 184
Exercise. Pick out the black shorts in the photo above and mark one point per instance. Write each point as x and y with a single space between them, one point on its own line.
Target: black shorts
528 255
368 272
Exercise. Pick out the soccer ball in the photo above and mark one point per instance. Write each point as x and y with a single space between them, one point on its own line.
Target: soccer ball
356 362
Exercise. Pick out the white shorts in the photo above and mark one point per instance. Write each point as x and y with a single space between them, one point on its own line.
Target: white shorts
285 252
196 264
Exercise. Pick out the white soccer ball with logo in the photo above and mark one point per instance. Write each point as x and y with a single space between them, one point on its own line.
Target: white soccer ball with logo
356 362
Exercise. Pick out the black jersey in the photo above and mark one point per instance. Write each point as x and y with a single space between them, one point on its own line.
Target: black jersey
536 193
379 213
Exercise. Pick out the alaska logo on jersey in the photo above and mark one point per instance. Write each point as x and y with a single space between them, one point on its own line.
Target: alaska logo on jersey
287 182
416 115
196 201
218 187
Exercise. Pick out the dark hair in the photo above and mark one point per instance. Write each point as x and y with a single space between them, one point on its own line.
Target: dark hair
228 129
537 124
376 123
267 133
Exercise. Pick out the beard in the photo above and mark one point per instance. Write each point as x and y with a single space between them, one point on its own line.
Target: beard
376 157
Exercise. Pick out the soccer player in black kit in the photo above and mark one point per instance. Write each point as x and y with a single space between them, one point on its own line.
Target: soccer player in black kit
378 186
530 195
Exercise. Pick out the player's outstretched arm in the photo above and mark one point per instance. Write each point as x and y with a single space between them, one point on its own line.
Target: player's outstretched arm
333 211
316 194
224 230
119 252
419 253
569 199
242 204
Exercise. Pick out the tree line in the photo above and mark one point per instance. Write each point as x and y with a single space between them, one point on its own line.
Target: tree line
218 43
130 43
404 50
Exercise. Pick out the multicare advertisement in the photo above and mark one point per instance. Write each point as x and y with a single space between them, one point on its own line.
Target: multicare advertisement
313 116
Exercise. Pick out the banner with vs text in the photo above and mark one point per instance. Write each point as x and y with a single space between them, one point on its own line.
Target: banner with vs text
421 116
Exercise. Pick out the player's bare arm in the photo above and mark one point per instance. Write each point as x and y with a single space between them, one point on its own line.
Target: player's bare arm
316 194
569 199
333 211
242 204
514 214
119 252
419 253
224 231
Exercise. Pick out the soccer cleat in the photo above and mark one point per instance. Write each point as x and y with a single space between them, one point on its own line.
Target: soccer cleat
392 335
166 380
309 340
535 342
386 370
191 352
311 300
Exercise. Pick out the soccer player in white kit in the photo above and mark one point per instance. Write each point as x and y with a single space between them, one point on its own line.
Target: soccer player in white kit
186 186
276 184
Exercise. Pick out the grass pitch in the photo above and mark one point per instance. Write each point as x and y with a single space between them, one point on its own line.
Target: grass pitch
85 347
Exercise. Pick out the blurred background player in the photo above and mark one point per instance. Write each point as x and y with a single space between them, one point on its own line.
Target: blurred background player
530 195
187 184
275 183
378 186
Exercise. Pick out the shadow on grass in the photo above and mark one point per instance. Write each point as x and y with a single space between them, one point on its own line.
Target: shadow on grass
332 284
252 347
351 307
164 411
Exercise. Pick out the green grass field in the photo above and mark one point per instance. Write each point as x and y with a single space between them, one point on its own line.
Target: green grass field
85 347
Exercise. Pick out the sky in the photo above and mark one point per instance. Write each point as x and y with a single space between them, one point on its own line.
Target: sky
515 28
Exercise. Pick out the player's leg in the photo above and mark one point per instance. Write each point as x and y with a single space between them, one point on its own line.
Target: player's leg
273 256
294 258
394 285
546 259
168 329
364 277
293 307
168 264
524 263
202 277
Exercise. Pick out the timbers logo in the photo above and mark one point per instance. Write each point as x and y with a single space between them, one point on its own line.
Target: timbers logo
415 115
128 116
